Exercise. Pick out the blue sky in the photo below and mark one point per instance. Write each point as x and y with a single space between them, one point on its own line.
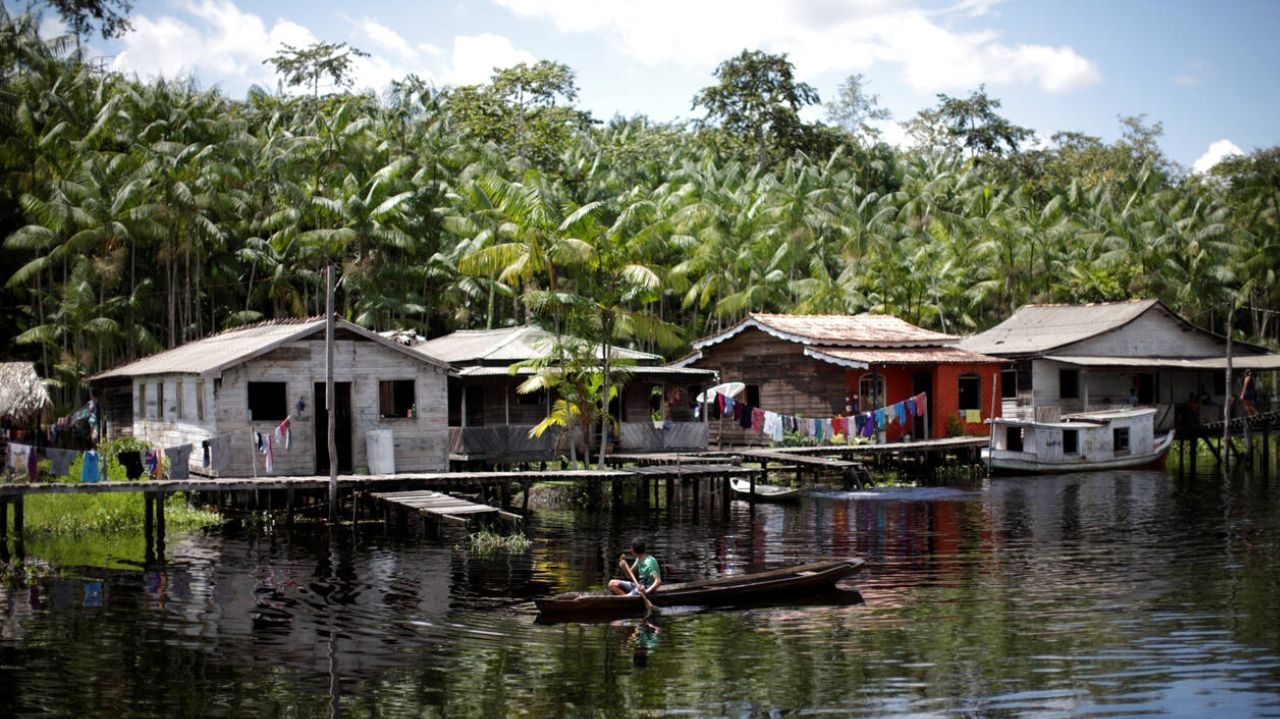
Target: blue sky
1206 71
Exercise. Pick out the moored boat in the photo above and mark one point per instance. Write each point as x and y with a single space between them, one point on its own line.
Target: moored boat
787 583
764 492
1084 441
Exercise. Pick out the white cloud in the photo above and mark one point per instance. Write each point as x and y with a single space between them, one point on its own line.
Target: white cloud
229 44
821 36
1217 152
476 56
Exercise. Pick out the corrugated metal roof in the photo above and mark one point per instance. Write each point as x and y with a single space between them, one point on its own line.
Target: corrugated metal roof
232 347
506 346
1258 362
685 372
864 357
864 330
1039 328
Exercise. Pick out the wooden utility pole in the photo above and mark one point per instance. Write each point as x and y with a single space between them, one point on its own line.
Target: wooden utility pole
328 396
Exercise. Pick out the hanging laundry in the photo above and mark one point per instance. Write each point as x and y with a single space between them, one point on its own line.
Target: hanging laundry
178 458
744 415
132 463
880 419
757 419
282 434
220 449
19 455
89 471
900 411
920 405
868 424
61 459
33 464
151 460
911 407
726 405
270 453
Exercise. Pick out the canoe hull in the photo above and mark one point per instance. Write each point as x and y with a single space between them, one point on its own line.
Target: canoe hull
796 582
764 492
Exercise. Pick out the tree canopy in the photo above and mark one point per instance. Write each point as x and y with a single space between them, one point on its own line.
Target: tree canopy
141 215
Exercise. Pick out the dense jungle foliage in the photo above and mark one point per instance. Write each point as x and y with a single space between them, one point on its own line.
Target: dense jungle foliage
141 215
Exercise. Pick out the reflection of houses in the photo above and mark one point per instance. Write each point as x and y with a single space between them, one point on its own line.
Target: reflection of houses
235 384
489 421
1069 358
821 366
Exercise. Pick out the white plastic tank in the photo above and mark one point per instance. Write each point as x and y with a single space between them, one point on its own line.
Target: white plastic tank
381 444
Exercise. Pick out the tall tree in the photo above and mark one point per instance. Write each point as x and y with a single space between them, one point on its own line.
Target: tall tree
308 65
757 101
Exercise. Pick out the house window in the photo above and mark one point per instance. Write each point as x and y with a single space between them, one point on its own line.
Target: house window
267 402
1120 439
396 398
1008 383
753 395
160 400
142 401
1069 384
1071 441
178 391
871 391
200 400
531 399
969 389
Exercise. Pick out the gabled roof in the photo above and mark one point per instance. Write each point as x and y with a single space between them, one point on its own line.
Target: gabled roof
858 358
215 353
23 396
1035 329
506 346
864 330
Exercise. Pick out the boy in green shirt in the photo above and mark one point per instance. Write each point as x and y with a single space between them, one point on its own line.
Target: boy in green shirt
646 570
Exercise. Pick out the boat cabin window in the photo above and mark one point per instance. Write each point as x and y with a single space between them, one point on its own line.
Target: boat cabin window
1013 439
396 398
970 391
1069 384
1120 439
1071 441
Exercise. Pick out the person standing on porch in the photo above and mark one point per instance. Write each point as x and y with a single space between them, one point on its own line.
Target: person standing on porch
1249 393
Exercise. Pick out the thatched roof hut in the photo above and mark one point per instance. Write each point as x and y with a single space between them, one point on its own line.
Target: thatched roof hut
23 397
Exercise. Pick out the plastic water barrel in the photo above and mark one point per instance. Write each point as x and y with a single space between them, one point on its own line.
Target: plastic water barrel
381 445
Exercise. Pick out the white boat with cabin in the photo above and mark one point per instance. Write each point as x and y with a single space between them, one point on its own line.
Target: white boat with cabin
1084 441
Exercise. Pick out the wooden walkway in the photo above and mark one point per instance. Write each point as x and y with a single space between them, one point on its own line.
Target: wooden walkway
442 506
851 473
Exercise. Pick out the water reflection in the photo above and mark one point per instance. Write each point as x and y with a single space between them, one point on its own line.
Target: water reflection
1084 595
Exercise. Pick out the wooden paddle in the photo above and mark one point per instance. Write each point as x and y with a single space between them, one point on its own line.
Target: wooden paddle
649 608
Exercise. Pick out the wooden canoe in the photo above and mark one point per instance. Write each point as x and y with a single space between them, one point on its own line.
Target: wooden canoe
788 583
764 492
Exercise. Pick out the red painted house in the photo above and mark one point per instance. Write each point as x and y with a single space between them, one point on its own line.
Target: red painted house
839 366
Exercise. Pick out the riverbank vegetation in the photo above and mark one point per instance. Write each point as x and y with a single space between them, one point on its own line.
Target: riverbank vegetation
141 215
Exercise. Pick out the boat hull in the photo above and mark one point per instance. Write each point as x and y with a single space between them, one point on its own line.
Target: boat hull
1024 463
795 583
764 492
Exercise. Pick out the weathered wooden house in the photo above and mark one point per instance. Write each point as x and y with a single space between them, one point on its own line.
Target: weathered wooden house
223 393
1071 358
828 366
489 421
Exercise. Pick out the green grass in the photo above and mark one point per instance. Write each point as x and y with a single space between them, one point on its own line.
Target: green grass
486 542
106 513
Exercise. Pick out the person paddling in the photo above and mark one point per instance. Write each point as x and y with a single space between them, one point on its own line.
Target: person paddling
644 568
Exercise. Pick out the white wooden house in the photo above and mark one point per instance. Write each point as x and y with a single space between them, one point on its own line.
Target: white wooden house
489 421
222 391
1073 358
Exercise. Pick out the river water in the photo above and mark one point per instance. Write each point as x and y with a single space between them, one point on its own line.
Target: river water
1102 595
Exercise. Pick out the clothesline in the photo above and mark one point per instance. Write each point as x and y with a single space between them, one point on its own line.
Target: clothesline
23 458
864 424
